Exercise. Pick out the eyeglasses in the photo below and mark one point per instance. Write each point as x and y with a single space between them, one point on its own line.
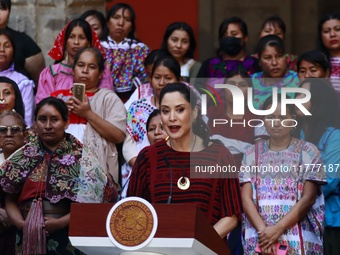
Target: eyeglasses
15 130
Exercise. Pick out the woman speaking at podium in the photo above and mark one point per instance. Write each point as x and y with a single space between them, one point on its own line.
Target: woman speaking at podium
165 171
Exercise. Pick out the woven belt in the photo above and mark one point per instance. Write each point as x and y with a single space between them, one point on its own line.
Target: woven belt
50 210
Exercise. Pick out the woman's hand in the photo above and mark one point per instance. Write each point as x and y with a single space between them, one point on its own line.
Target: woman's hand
79 108
5 221
271 250
269 236
52 225
12 210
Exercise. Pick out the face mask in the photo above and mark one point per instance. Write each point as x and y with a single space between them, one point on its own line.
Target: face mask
230 45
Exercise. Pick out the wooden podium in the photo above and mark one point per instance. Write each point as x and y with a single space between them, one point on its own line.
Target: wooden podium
182 230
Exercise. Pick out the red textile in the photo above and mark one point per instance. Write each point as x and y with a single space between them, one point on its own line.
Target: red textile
57 52
216 197
65 94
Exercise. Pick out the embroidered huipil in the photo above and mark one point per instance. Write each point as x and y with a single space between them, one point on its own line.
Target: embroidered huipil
125 61
276 192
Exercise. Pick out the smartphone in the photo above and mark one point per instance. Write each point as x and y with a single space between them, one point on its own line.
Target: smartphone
79 91
281 249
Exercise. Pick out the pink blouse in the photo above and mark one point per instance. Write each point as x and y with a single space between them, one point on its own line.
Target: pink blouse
60 76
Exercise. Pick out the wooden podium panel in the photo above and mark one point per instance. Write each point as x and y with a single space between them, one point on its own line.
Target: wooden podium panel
182 229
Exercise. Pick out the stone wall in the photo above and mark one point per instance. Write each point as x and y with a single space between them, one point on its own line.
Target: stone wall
43 19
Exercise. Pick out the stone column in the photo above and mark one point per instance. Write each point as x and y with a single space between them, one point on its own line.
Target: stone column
44 19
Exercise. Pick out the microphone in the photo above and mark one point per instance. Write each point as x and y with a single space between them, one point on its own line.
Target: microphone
169 165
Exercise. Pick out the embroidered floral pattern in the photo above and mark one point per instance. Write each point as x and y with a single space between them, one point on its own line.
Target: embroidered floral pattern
277 193
219 68
68 174
126 61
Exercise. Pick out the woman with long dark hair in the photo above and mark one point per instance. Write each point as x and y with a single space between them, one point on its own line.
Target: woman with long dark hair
76 35
232 36
124 53
97 21
179 41
281 195
25 85
188 144
51 172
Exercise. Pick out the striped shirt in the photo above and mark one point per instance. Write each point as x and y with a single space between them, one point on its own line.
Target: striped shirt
158 167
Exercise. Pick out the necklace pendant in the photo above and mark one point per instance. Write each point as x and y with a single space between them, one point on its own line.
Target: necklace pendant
183 183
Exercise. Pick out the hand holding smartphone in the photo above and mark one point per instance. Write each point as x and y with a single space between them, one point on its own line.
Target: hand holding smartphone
281 249
79 91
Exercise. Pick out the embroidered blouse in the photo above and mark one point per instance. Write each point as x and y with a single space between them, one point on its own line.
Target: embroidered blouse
126 62
60 76
276 191
261 90
216 197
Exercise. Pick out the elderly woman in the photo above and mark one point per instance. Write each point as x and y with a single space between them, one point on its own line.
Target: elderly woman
99 121
12 137
45 176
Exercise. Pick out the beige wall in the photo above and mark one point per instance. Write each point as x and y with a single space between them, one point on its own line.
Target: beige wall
43 19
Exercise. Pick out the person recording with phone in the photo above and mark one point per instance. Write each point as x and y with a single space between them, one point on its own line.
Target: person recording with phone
281 193
162 172
100 120
76 35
